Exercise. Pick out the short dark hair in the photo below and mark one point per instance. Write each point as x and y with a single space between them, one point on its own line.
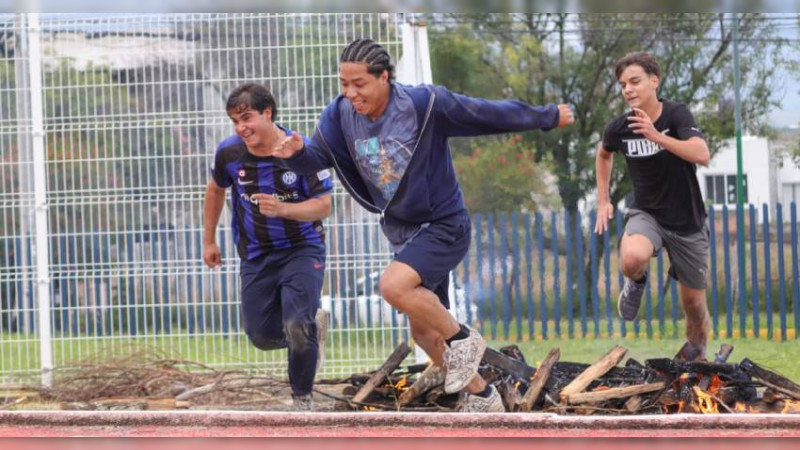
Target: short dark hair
370 53
252 95
643 59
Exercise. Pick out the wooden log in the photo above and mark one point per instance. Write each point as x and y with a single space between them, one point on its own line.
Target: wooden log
610 394
594 371
688 352
394 360
725 351
634 404
539 379
430 378
771 379
507 364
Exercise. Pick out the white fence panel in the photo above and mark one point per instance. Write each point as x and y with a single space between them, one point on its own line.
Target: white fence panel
133 109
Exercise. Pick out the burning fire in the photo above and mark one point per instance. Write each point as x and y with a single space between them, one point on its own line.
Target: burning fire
402 384
791 407
705 403
744 408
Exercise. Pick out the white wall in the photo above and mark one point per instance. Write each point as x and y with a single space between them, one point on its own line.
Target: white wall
755 163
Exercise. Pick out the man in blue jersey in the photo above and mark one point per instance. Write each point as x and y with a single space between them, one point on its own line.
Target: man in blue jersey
277 228
389 145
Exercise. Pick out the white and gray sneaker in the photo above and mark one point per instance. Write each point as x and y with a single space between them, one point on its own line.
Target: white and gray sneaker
461 359
476 403
322 319
630 299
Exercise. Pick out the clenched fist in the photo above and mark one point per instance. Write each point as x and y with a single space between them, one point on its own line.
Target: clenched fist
269 206
565 116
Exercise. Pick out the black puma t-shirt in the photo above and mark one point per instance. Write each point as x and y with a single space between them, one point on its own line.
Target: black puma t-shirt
664 185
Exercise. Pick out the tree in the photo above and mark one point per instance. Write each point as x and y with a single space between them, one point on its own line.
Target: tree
544 58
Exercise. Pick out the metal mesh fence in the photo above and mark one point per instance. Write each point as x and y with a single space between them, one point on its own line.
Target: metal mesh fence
133 108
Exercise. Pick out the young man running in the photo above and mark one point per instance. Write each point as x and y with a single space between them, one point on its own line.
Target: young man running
388 144
661 144
277 228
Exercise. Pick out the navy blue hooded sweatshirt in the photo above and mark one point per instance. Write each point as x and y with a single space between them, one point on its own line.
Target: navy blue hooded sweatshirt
428 190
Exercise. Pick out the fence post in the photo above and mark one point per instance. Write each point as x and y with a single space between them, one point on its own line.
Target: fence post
727 257
542 276
556 274
568 281
767 271
506 294
529 273
478 221
516 273
712 228
40 200
580 257
781 271
595 274
754 269
795 270
492 301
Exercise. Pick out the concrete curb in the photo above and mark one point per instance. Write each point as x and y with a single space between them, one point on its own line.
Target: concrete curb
200 419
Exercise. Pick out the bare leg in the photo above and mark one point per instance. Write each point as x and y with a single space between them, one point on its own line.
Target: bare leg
635 252
401 286
698 321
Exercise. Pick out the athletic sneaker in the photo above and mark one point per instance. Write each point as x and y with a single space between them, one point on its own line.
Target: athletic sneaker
631 298
323 319
476 403
461 359
302 403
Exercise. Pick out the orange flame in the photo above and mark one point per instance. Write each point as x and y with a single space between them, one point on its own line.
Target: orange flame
401 384
744 408
716 385
705 403
791 407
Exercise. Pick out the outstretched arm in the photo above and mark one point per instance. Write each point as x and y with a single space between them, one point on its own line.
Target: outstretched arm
461 115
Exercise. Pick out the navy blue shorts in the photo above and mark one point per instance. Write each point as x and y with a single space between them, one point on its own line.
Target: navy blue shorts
433 250
280 296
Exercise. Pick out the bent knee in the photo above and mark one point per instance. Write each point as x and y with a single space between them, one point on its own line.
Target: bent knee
300 334
392 290
267 341
634 263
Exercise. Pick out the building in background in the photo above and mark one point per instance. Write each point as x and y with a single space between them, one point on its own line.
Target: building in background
770 174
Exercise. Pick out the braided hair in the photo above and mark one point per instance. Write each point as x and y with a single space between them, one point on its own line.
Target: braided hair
370 53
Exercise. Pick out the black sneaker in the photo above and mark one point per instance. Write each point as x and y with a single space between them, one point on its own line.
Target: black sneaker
631 298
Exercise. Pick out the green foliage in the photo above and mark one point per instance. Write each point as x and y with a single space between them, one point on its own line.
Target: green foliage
568 58
503 176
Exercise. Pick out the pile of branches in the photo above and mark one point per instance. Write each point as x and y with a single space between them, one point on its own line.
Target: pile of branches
150 379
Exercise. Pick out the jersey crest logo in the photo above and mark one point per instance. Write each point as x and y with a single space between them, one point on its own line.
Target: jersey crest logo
289 178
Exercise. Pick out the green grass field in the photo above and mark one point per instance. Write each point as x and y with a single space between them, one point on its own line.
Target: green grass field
351 351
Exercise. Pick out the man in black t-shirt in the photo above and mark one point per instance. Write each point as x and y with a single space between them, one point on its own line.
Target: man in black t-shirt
661 144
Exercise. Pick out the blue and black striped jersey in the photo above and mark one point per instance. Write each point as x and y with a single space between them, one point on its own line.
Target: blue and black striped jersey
254 233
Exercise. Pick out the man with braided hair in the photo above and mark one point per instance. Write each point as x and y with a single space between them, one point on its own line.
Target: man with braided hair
388 144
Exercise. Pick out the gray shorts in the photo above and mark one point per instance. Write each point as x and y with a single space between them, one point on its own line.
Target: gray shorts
688 254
